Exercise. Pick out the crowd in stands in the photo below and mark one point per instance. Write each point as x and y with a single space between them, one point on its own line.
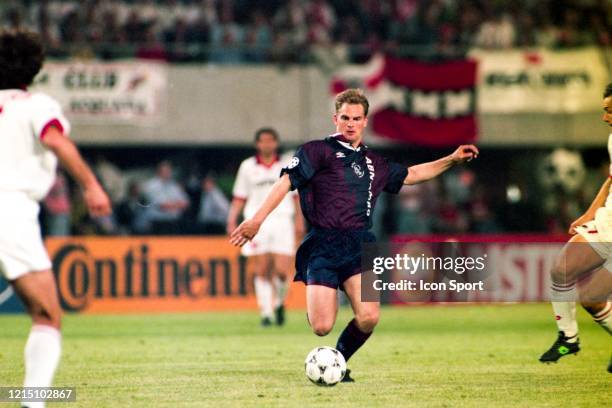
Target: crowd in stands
156 204
169 200
252 31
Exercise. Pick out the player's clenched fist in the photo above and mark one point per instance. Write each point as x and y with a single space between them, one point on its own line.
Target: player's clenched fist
580 222
245 232
465 153
97 201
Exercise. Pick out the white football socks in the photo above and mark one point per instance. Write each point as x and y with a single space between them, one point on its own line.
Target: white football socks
563 298
263 293
42 355
282 287
604 318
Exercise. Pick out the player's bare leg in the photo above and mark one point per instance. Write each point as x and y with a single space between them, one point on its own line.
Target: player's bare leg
361 327
259 266
575 259
595 295
595 298
280 282
322 308
38 291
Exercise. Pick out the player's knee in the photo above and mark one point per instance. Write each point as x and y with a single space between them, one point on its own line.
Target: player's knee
47 315
368 320
559 272
260 273
321 328
280 275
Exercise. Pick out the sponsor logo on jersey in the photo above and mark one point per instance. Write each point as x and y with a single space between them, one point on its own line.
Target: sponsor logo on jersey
340 155
370 166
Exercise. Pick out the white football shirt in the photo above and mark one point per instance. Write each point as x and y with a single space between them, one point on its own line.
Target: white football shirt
254 181
609 199
26 165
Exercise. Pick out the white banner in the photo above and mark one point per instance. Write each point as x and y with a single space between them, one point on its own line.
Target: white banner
525 81
131 92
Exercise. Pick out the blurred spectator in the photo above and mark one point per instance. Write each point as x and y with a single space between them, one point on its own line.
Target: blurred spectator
70 31
468 23
43 22
601 30
177 33
414 206
569 33
405 24
459 184
450 218
482 219
108 29
151 47
226 37
214 208
199 31
525 30
546 32
428 25
258 38
131 212
497 31
148 11
14 19
166 201
57 207
134 28
176 40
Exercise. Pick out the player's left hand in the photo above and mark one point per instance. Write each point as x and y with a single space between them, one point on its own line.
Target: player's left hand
465 153
579 222
245 232
97 201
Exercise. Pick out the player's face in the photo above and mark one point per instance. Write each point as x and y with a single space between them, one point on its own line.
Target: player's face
164 171
350 120
607 106
267 145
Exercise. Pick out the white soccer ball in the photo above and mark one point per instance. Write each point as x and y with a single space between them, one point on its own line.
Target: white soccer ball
325 366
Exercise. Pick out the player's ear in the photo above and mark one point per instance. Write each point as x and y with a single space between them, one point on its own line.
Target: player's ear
335 118
365 122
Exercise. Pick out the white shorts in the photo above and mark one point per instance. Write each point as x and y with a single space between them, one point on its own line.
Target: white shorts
276 236
21 246
598 234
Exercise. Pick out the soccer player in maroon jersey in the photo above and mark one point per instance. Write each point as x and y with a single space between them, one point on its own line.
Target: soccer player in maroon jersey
339 180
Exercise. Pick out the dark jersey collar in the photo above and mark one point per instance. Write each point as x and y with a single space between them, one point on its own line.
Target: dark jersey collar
343 141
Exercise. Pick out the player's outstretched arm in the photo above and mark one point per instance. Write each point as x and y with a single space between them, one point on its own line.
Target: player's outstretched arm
96 199
234 211
249 228
599 201
426 171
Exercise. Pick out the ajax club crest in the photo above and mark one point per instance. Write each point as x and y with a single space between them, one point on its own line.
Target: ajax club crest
357 169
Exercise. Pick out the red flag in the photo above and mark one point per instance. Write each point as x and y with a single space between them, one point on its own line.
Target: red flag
429 104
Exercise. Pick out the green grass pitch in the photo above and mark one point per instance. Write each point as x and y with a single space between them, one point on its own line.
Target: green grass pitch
465 355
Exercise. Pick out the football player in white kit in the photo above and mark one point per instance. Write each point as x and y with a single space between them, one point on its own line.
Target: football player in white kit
588 251
269 254
33 136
